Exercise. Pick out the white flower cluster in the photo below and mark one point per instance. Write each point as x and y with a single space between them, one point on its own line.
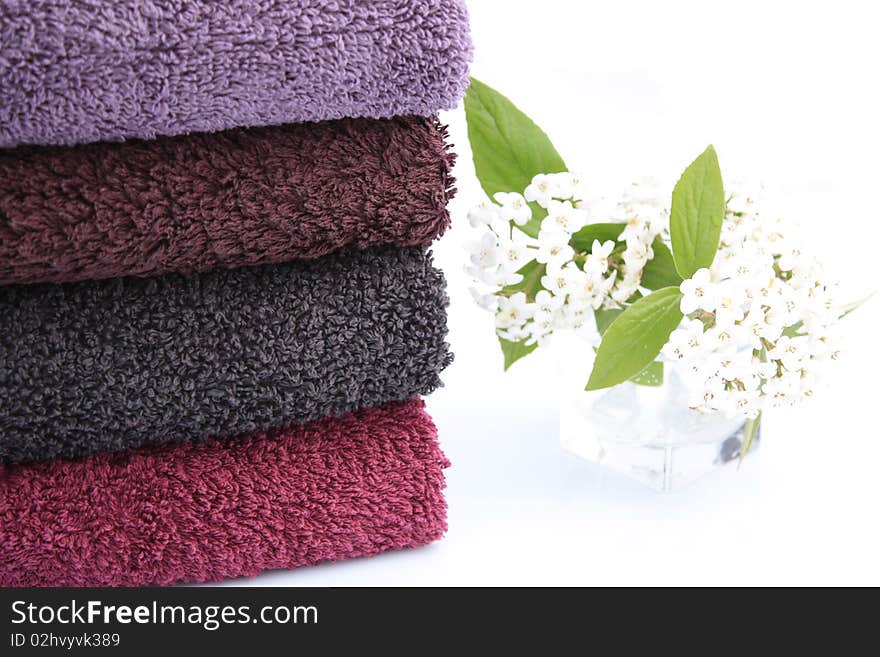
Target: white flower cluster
564 286
646 217
758 324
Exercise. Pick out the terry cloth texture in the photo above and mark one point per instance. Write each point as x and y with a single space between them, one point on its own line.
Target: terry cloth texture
78 71
225 199
111 365
335 489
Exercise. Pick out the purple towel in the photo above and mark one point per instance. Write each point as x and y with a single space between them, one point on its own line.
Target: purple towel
77 71
220 200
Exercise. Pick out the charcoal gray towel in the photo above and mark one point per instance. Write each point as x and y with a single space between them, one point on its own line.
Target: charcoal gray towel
111 365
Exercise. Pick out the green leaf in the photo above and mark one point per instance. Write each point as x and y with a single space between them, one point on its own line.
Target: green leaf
651 376
513 351
604 318
582 241
660 270
794 330
530 285
749 433
855 305
635 338
509 149
697 213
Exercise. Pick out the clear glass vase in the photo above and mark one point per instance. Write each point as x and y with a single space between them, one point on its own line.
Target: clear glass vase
650 434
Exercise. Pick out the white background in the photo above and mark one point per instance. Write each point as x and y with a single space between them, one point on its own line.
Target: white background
787 92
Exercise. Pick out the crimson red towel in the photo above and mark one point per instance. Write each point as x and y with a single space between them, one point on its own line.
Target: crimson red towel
204 201
335 489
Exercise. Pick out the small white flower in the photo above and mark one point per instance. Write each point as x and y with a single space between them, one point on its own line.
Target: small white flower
725 337
809 385
819 311
569 186
514 208
576 315
627 284
602 249
709 396
766 289
624 291
806 274
483 276
542 190
513 312
547 302
791 352
483 300
483 215
637 255
789 304
724 261
511 254
539 329
638 228
549 233
743 263
503 277
561 280
599 209
742 403
738 367
608 282
744 197
484 253
775 324
563 216
765 370
553 252
824 347
731 299
781 390
597 260
790 259
699 293
646 192
591 288
753 327
688 342
515 333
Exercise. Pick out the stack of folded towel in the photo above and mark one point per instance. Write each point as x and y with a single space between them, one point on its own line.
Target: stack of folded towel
217 311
